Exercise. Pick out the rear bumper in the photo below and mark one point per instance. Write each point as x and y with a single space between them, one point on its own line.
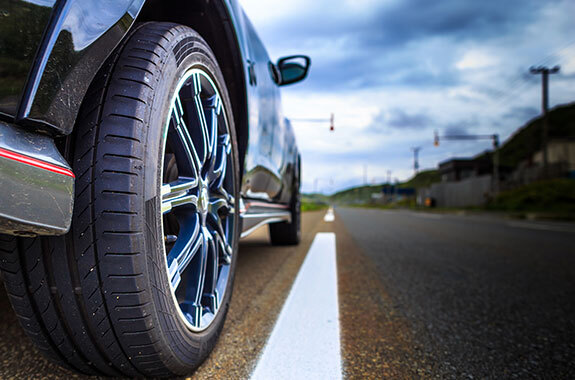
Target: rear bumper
36 184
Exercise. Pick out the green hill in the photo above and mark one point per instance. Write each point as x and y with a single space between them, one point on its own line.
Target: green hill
362 194
527 140
423 179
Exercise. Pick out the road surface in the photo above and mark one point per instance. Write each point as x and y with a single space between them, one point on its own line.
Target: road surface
419 295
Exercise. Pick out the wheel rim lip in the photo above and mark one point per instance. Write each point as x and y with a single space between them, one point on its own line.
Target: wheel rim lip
226 267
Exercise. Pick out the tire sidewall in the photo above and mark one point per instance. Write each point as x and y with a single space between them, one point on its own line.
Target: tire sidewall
175 333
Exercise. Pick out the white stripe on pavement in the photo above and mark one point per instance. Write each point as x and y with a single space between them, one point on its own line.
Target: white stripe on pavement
329 217
304 343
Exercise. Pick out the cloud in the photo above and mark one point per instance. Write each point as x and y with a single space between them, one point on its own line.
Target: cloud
521 113
392 71
403 120
476 59
461 127
384 43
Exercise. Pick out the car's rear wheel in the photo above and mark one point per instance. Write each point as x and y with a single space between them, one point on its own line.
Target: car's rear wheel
289 233
142 283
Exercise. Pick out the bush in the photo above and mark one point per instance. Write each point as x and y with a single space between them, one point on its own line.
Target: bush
555 195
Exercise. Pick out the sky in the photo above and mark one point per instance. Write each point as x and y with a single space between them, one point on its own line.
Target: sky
395 71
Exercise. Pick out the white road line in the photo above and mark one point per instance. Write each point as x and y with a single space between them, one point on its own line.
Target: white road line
537 226
329 216
305 343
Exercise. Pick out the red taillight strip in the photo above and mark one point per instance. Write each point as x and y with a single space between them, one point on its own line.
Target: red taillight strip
35 162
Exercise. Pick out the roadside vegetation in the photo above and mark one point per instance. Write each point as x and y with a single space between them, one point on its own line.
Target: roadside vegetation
363 194
550 199
314 202
306 206
553 196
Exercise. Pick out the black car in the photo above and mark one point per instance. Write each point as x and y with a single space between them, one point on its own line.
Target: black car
139 140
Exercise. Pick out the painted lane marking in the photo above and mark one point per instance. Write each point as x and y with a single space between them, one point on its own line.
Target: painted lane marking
543 227
305 342
329 216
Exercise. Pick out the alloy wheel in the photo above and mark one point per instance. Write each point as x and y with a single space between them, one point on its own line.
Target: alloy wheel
197 199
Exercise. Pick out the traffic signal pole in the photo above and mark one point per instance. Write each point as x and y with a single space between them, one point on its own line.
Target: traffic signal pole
331 121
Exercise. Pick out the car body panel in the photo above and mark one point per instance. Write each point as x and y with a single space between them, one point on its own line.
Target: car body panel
79 35
82 34
263 177
22 25
37 184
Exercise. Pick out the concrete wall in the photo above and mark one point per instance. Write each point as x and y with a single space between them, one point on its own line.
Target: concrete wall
558 151
470 192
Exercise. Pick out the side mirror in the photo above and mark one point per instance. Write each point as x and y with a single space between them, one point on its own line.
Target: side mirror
292 69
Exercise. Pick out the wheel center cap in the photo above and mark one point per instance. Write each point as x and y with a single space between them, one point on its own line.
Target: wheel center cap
204 199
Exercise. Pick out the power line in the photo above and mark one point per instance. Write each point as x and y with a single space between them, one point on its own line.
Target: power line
520 81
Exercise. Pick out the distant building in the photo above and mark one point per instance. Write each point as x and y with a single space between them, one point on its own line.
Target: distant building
458 169
464 182
559 151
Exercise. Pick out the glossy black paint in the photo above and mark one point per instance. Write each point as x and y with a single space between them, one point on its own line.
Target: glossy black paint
82 35
34 199
73 38
22 24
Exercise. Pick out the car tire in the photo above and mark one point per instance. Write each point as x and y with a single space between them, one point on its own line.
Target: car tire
289 233
157 175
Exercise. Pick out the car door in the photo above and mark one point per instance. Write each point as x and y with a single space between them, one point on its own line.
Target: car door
261 175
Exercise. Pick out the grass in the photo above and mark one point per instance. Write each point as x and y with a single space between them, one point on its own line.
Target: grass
313 206
424 178
553 196
552 199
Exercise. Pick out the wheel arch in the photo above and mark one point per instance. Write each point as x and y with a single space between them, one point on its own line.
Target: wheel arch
213 21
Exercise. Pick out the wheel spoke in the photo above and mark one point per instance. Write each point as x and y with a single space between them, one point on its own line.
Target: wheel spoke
207 245
197 280
220 194
176 194
223 149
220 204
212 267
212 109
225 247
184 250
186 148
218 226
195 110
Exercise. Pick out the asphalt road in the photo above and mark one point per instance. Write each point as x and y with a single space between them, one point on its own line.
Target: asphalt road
482 297
420 295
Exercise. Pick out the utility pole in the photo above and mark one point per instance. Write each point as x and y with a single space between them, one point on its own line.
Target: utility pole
389 177
544 71
496 165
364 174
415 150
